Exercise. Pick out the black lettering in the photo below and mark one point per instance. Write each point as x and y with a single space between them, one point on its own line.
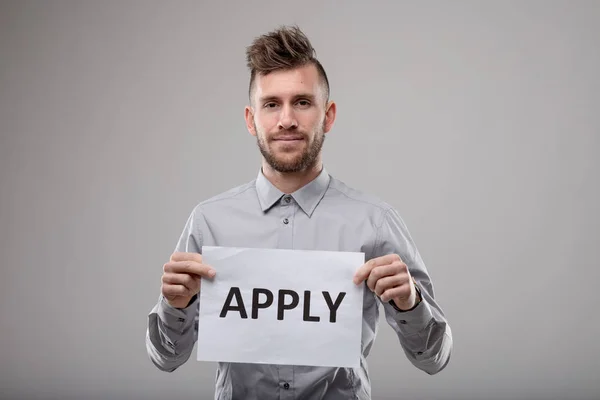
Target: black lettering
256 305
234 291
281 306
333 307
307 316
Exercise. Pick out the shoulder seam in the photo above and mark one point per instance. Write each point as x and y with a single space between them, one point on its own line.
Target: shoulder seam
378 235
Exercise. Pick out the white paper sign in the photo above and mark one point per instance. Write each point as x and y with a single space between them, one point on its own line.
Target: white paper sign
278 306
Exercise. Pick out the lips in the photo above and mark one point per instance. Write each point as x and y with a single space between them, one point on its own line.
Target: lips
288 138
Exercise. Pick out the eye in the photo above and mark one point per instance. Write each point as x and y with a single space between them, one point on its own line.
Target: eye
303 103
270 105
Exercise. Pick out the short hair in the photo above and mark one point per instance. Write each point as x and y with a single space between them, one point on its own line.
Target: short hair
284 48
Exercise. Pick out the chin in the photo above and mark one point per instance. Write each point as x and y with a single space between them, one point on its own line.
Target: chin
288 156
288 162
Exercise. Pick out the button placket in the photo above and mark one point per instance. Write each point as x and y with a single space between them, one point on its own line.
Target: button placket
286 241
286 202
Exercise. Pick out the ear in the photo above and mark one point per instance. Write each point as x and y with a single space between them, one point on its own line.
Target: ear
249 116
330 113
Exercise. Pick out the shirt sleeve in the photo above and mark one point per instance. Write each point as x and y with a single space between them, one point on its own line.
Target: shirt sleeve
171 332
423 332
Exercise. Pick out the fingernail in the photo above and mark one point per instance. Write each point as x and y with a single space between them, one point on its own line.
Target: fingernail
212 273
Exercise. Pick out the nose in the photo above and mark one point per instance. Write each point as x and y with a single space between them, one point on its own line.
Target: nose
287 119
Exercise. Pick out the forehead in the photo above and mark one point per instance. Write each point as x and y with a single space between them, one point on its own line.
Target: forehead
288 83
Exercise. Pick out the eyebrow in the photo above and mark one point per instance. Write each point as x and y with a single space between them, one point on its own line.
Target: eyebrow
308 96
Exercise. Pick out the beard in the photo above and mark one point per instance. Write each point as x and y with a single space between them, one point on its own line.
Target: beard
303 161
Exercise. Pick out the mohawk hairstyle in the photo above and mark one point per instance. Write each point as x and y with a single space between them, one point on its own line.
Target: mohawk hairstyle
284 48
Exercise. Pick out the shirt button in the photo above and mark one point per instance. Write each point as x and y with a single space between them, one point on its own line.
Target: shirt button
286 221
286 386
287 199
402 321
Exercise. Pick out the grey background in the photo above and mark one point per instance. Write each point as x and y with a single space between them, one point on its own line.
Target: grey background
479 121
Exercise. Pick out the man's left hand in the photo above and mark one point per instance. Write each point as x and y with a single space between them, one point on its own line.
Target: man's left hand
389 278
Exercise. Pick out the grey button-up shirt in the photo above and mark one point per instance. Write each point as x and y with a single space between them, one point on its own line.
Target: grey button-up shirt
325 214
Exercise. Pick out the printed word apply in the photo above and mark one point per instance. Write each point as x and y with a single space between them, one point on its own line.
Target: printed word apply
276 306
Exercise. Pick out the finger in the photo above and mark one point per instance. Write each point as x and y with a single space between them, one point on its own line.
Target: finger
191 283
190 267
396 267
186 256
363 272
389 282
390 258
169 290
398 292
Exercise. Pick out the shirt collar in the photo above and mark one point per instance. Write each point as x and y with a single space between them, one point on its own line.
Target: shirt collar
307 197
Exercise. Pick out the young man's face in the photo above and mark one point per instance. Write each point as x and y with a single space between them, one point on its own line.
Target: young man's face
289 117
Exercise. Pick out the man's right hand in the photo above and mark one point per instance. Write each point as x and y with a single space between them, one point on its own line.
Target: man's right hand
181 278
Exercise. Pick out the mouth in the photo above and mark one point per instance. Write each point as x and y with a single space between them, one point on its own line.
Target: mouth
288 138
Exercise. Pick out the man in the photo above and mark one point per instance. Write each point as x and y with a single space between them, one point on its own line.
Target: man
295 204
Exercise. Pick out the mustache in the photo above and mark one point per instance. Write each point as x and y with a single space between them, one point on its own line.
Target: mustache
288 134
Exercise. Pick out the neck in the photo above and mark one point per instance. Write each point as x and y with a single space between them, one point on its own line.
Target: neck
289 182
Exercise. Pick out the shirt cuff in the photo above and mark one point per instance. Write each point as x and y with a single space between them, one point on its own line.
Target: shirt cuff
413 321
177 319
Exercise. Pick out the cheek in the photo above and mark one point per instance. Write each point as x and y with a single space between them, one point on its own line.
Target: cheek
265 123
312 120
